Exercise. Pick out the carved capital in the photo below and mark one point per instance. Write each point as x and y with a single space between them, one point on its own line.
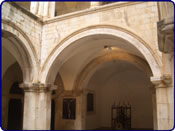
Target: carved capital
37 87
162 82
166 35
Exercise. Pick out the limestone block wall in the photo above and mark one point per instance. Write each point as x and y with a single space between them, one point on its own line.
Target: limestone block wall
137 17
27 22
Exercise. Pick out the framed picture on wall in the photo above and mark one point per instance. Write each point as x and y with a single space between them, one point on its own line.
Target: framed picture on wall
69 108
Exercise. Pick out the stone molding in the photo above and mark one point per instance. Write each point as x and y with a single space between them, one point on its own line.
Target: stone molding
162 82
165 29
37 87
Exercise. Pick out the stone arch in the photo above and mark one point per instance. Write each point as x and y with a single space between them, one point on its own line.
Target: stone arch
13 74
22 50
151 57
86 73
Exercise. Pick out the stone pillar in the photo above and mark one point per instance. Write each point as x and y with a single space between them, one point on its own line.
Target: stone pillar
43 9
162 106
95 4
37 106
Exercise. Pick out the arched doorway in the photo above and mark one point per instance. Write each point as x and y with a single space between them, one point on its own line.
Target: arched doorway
88 45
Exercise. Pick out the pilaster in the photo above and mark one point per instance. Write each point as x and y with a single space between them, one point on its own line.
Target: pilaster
162 118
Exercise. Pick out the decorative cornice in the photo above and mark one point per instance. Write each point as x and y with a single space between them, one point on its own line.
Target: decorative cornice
37 87
162 82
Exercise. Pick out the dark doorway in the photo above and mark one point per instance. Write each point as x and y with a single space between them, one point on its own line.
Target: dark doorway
52 115
15 115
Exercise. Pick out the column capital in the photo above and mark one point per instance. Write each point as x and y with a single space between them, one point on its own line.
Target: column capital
162 82
37 87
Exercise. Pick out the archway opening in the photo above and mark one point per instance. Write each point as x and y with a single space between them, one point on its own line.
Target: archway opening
15 109
15 115
118 84
52 115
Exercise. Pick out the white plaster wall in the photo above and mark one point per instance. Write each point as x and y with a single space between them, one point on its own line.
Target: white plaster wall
129 85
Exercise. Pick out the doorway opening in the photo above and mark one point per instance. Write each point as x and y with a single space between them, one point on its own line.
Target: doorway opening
15 108
121 84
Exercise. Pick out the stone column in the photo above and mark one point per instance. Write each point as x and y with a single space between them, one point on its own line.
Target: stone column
163 111
95 4
43 9
37 106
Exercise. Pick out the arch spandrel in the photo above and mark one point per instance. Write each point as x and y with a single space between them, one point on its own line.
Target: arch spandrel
151 57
